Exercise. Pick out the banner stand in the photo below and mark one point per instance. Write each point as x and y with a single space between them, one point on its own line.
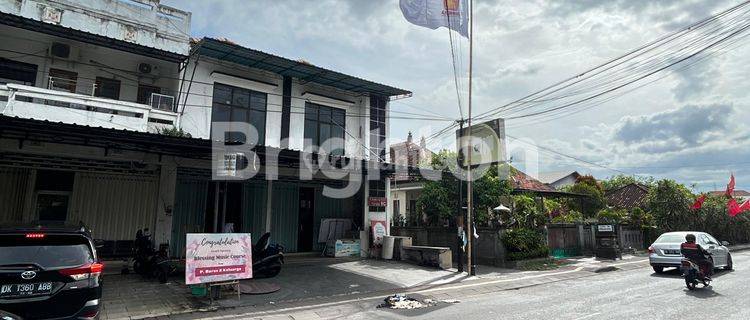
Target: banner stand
213 285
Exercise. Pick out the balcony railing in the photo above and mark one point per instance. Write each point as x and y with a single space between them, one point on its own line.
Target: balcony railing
58 106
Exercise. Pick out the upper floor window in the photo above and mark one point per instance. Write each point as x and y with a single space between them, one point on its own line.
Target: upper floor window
107 88
233 104
323 123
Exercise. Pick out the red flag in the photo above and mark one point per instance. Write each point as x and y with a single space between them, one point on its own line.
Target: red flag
733 208
745 206
730 186
698 202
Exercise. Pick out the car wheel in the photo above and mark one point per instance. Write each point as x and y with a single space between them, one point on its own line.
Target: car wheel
658 269
730 264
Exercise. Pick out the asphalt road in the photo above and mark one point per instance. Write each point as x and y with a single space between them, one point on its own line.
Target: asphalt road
635 294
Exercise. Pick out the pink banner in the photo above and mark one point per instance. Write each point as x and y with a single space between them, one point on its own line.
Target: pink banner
218 257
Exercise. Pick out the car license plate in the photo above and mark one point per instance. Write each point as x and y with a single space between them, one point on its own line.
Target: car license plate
25 289
671 251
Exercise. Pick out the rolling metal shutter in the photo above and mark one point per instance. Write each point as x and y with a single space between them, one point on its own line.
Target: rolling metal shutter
14 184
114 206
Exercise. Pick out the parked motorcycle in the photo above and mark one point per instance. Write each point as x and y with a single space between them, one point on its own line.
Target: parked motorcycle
149 262
267 258
693 274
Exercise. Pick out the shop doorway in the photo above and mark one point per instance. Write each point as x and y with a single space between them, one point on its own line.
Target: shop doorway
306 219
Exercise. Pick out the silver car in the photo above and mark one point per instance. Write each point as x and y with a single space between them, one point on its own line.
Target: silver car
665 251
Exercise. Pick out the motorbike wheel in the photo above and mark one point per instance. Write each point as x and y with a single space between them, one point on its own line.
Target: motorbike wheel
690 284
138 267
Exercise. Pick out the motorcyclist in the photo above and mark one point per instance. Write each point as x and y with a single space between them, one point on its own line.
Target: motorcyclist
694 252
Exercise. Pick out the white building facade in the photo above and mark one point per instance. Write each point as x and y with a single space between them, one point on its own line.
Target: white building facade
106 116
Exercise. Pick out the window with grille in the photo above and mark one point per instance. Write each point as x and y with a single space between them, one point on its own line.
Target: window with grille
233 104
377 127
323 123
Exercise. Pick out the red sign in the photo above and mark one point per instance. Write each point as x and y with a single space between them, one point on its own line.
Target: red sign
377 201
216 271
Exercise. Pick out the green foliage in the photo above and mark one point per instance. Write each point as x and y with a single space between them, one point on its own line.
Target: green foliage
641 219
594 201
621 180
524 243
174 132
612 216
527 213
670 202
438 200
568 217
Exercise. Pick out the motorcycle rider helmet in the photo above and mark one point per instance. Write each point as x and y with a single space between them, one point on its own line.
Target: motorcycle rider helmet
690 237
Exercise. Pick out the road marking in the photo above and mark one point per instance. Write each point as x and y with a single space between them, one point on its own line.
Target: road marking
588 316
469 285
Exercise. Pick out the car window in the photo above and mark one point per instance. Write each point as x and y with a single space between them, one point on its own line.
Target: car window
50 252
671 238
705 240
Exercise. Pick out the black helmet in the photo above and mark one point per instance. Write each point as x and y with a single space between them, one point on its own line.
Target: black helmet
690 237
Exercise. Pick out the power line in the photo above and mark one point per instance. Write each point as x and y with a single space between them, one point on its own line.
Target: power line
426 117
612 63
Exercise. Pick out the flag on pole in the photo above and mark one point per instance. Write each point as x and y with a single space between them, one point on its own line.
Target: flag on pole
745 206
698 202
433 14
730 186
733 208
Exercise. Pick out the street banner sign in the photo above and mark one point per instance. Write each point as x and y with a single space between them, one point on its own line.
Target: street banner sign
378 224
377 201
487 143
218 257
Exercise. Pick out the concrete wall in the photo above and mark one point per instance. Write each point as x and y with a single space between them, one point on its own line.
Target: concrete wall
144 22
489 248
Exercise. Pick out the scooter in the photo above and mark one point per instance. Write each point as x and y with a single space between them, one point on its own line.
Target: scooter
267 258
693 274
149 262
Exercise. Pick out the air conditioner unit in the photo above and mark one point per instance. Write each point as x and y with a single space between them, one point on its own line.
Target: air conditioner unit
63 51
145 68
162 102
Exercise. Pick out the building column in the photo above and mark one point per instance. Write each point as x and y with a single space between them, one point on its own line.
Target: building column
269 205
388 206
165 201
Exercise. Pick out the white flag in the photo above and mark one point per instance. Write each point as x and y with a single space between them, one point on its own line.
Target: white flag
433 14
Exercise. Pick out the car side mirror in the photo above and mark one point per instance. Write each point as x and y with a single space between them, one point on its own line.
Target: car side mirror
99 243
725 243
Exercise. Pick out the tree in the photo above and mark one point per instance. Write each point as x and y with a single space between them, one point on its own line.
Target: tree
669 202
439 199
621 180
594 192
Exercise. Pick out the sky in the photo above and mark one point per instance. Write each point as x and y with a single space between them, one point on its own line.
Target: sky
690 126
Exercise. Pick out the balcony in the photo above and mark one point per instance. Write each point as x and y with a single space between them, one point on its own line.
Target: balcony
59 106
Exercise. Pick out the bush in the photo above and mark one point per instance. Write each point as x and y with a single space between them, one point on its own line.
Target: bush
524 243
612 216
570 217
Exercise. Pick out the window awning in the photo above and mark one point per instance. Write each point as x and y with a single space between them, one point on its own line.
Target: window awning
227 51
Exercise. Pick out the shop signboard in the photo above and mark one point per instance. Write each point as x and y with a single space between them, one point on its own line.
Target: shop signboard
218 257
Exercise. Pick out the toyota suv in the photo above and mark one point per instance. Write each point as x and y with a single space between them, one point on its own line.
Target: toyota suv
49 272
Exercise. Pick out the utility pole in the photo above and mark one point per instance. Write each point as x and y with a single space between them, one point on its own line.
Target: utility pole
469 191
460 209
